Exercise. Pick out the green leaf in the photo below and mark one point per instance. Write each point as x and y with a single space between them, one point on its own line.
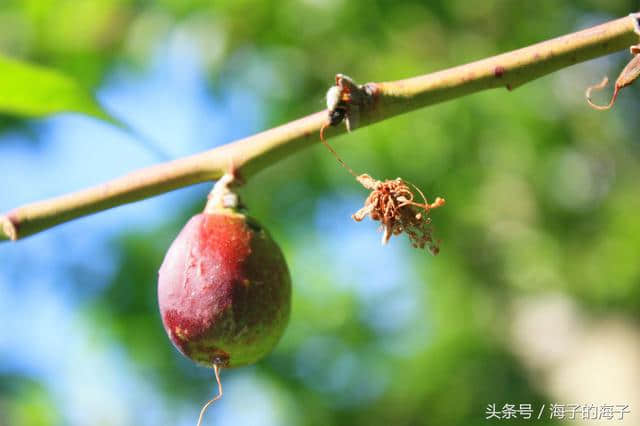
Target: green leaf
30 90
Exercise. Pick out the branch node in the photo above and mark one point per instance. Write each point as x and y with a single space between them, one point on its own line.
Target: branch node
221 196
346 100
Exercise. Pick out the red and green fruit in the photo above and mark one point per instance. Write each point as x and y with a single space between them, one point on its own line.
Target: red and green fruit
224 290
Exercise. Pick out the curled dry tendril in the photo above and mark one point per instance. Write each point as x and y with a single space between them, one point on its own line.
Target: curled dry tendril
600 86
628 75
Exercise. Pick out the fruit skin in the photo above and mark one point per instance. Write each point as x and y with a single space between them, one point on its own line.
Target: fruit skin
224 290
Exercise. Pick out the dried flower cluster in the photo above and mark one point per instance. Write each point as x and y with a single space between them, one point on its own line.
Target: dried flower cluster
391 202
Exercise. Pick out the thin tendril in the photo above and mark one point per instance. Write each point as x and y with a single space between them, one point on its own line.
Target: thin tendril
216 370
335 154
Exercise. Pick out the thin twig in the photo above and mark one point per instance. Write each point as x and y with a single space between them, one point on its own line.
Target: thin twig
252 154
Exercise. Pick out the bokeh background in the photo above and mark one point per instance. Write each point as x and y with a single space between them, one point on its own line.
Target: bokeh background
534 298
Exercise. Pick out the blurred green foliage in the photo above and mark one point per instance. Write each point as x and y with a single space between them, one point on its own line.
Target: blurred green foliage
541 190
24 401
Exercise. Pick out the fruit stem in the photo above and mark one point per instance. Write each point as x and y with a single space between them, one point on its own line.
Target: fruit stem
221 196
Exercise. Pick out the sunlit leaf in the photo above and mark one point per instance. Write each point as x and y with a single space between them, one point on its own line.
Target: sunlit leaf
30 90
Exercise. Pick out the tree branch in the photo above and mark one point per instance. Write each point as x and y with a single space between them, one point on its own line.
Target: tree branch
250 155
